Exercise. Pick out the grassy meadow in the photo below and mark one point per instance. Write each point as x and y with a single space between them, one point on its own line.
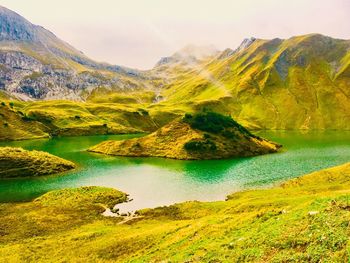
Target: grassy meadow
302 220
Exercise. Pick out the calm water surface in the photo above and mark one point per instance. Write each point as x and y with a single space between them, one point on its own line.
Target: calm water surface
155 181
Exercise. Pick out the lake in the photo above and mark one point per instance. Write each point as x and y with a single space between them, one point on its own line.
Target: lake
154 182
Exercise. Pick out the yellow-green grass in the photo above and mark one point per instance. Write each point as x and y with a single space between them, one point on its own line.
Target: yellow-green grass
29 120
104 95
4 96
303 220
15 126
16 162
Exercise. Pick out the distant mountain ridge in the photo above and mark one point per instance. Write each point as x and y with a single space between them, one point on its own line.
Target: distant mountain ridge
298 83
35 64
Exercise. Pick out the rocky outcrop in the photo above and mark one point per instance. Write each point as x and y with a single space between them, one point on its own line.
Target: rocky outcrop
28 78
245 43
15 27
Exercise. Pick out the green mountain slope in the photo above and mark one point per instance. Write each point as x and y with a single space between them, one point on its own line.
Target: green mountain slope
31 120
298 83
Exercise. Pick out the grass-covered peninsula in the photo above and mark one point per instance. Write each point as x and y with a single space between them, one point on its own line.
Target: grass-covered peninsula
205 135
303 220
16 162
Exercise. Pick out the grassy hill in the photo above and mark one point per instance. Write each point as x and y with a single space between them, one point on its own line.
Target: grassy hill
303 220
15 126
205 135
16 162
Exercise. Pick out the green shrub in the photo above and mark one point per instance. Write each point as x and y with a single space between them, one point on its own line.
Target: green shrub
28 118
77 117
207 136
210 122
188 116
3 103
228 134
214 123
11 104
143 112
6 124
105 125
200 146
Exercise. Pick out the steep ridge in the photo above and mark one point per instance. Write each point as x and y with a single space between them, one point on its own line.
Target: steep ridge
298 83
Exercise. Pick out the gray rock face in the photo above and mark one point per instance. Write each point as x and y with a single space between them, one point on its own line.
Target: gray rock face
26 77
19 61
15 27
229 52
35 64
246 43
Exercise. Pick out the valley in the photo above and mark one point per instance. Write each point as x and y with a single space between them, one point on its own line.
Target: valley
278 84
211 155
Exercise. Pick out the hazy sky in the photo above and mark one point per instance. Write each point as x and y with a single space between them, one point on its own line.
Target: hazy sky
136 33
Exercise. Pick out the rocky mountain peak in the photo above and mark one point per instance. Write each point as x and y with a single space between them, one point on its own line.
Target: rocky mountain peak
14 27
246 43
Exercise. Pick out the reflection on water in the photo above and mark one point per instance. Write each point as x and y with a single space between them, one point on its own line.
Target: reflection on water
156 181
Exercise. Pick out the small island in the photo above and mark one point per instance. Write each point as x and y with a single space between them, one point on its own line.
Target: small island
205 135
17 162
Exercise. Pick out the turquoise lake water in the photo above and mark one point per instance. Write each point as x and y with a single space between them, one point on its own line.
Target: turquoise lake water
153 182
